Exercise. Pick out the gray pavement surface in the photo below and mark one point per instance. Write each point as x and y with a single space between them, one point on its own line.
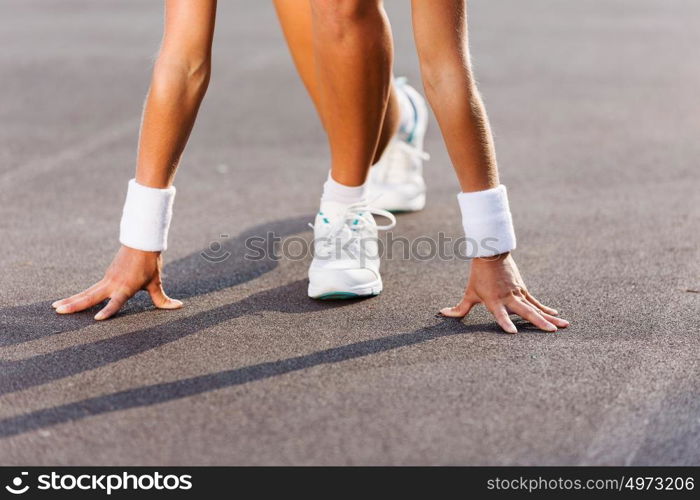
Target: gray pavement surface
595 110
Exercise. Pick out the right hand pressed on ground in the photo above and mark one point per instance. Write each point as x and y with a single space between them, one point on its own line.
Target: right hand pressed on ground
130 271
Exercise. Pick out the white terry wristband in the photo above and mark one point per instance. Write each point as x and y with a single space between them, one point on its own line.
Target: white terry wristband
146 217
487 222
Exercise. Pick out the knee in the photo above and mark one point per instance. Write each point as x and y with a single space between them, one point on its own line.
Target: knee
338 16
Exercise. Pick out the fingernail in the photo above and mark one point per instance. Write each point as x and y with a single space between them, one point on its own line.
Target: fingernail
445 310
55 303
99 316
62 309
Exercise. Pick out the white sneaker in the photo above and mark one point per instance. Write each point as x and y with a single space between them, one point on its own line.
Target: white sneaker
396 181
346 252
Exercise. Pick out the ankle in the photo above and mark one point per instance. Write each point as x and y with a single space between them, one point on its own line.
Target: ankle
337 192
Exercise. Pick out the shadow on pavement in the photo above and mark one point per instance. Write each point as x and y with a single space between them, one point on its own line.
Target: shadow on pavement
41 369
169 391
185 278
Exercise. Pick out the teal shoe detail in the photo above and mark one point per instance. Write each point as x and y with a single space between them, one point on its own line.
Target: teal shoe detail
338 296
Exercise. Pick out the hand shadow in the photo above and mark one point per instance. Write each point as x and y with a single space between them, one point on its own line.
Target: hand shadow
185 278
44 368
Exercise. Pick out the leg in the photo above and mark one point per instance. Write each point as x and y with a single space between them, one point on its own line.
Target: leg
396 183
353 50
297 24
352 53
440 28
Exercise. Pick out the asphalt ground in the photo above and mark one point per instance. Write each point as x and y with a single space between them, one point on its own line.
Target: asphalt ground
595 111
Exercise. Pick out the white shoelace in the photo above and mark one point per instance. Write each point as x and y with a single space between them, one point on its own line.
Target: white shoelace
353 221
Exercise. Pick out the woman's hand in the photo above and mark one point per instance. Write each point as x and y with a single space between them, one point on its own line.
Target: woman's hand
130 271
496 283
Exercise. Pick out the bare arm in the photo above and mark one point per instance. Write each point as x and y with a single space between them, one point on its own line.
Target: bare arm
179 82
440 28
441 37
178 85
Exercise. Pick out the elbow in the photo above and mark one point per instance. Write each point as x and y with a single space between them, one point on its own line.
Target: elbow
188 75
447 76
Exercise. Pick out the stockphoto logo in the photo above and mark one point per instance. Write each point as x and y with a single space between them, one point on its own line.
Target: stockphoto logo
17 486
106 483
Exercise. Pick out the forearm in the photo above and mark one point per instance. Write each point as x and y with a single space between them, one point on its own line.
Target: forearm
180 79
176 92
441 36
465 127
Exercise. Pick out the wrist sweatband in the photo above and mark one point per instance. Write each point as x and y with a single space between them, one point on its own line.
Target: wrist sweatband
487 222
146 217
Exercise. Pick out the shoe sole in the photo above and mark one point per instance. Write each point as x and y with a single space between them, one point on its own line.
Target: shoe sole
331 293
343 296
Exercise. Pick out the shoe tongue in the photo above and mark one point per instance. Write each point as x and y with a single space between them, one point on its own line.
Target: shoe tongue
334 209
